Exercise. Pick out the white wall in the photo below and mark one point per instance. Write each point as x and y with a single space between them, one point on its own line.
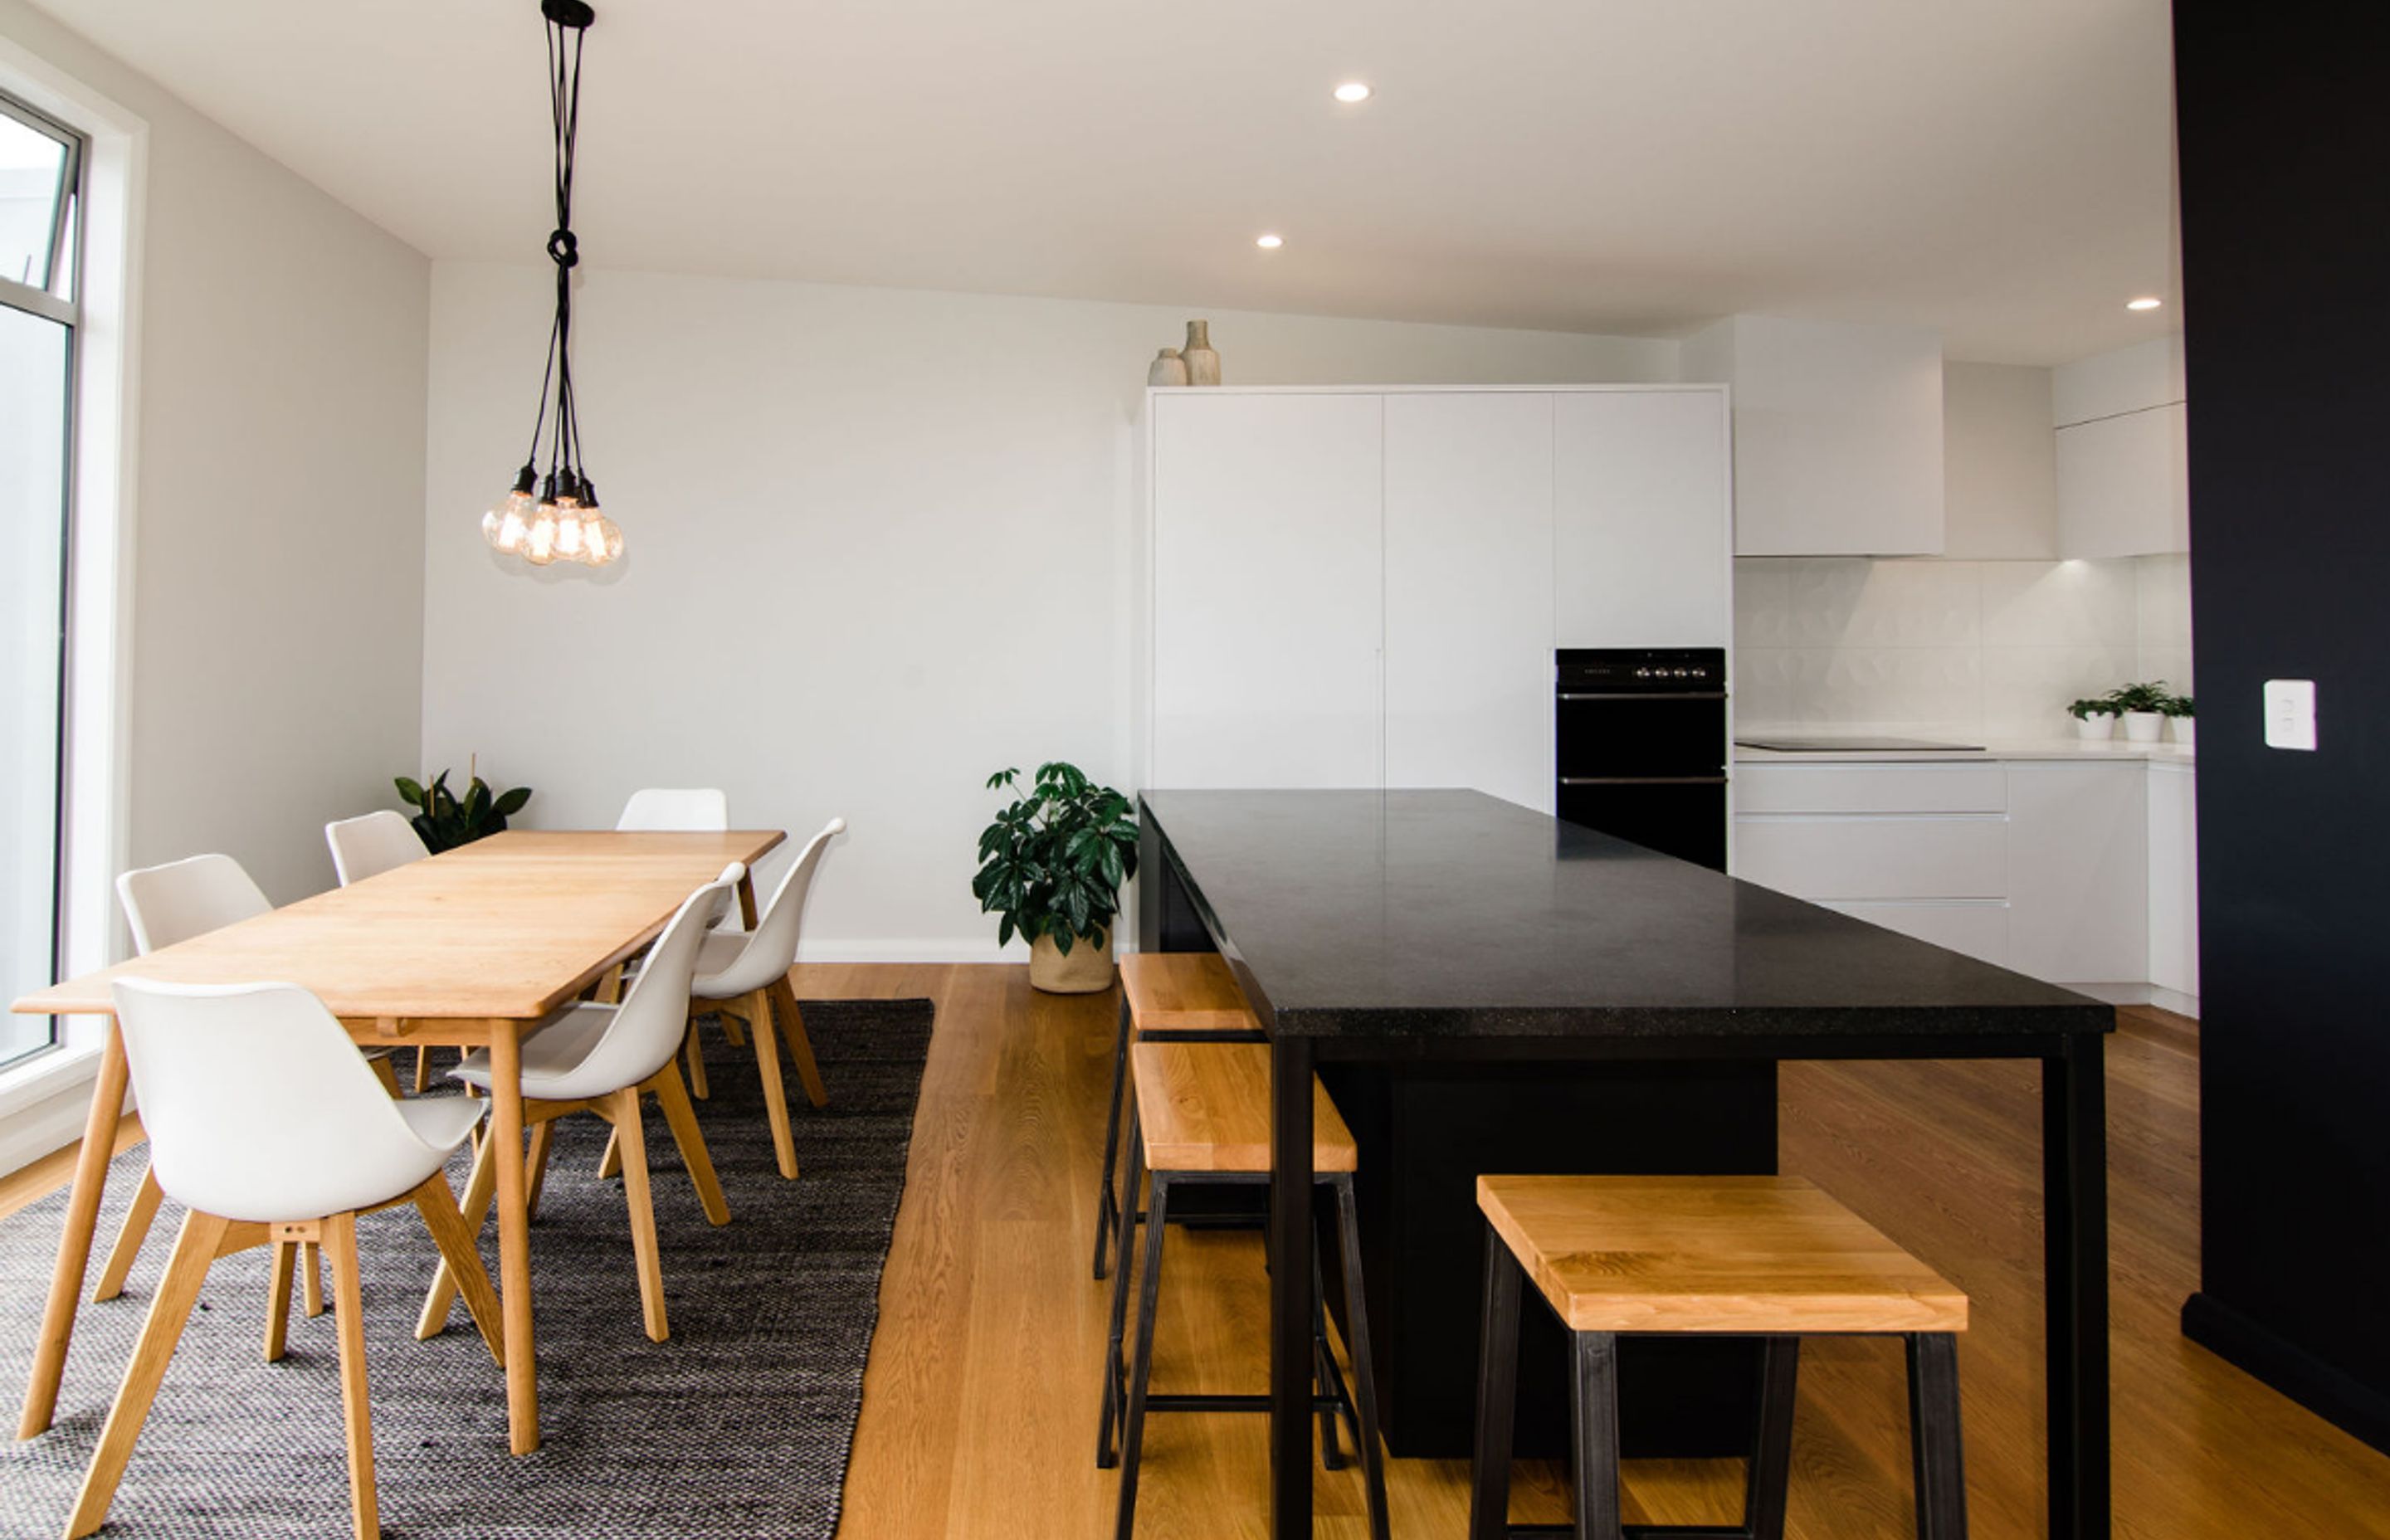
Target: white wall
880 545
276 552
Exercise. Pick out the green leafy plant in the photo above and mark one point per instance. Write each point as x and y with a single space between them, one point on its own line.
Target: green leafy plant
447 820
2083 710
2177 705
2150 696
1053 862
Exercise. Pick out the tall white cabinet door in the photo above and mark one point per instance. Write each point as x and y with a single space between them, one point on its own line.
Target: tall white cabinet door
1469 613
2078 871
1643 541
1267 612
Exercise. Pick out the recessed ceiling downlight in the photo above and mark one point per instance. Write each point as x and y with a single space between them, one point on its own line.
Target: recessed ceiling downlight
1269 243
2147 301
1353 91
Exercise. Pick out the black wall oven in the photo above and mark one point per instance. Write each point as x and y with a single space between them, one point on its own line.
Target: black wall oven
1641 744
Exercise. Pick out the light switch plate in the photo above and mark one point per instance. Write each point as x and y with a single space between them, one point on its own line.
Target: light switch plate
2289 713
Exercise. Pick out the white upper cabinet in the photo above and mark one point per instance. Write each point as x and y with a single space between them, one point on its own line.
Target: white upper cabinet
1468 591
2124 476
1837 434
1267 583
1642 533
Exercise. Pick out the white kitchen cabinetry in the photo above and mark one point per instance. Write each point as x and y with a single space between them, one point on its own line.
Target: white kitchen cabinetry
1469 593
2078 871
1267 588
2124 480
1640 489
2174 879
1837 434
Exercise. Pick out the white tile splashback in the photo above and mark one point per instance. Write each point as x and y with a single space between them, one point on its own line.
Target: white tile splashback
1950 648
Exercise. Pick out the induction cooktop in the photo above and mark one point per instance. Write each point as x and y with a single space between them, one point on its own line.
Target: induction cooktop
1857 745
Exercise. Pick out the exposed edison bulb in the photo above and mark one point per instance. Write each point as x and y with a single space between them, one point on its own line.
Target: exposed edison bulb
539 540
569 532
514 528
515 506
601 540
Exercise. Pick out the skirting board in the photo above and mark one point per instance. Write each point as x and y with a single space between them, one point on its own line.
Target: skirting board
2359 1409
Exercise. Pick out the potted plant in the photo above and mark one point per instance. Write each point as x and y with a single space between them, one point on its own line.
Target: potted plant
2093 719
2178 715
2143 710
1052 865
446 821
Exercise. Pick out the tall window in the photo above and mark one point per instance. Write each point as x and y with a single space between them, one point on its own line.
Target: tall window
41 181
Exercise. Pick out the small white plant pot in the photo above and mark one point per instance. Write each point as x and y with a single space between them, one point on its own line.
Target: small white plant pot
2144 727
2182 729
2098 727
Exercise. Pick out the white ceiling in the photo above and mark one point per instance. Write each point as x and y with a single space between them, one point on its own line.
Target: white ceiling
2000 169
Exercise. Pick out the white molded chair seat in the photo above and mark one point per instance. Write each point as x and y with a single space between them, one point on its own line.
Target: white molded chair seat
696 810
266 1124
555 1056
747 974
372 844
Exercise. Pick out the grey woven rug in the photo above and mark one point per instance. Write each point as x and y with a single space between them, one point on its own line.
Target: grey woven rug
736 1429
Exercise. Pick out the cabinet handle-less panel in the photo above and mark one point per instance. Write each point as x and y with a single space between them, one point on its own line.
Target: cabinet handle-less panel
1268 583
1469 613
1961 856
2078 907
1642 543
1774 788
2123 484
1977 927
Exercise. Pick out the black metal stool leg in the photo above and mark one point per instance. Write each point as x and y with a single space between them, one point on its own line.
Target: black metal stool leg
1148 1289
1107 1204
1769 1475
1323 1370
1936 1455
1497 1394
1357 1343
1106 1457
1593 1408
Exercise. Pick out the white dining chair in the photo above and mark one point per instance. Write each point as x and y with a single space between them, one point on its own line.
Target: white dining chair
746 974
694 809
372 844
267 1126
369 846
604 1058
165 904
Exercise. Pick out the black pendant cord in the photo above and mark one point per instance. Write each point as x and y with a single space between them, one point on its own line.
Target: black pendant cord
563 249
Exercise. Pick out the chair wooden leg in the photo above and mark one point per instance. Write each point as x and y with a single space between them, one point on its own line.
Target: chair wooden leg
461 1260
643 1212
285 1256
481 1188
695 1046
386 1074
310 1270
609 1165
423 1069
543 1136
195 1249
129 1238
608 988
673 1096
776 1095
349 1322
733 1029
801 1047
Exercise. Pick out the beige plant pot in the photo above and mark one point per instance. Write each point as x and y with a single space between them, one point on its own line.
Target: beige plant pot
1086 970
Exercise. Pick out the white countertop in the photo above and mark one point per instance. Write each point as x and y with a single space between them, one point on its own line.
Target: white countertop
2065 748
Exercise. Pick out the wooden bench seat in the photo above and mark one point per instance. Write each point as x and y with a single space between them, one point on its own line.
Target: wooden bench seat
1205 1107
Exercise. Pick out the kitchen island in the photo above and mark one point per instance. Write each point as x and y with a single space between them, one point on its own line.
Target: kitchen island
1448 930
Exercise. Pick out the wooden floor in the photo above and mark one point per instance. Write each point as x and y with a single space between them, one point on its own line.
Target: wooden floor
979 1412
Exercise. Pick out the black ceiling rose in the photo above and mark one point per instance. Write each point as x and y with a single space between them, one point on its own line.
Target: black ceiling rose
567 13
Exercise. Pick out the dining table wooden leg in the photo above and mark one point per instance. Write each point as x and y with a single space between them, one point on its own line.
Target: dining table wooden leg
514 1236
74 1238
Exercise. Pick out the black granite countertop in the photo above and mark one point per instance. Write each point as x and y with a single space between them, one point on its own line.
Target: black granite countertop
1456 914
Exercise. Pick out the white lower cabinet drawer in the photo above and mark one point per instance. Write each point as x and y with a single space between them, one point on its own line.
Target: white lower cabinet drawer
1978 927
1875 858
1973 787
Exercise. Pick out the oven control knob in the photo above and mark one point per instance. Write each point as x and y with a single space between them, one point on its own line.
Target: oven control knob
1642 673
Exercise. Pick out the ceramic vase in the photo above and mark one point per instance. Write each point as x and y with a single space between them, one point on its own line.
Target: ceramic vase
1202 364
2143 727
1084 970
2097 727
1167 368
2182 730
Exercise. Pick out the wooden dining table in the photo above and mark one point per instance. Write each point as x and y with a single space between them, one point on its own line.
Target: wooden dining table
472 948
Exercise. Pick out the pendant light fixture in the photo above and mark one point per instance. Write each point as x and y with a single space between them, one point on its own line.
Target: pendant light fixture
556 517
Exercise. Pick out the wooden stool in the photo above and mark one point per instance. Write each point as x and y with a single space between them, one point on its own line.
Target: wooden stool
1165 997
1739 1256
1203 1115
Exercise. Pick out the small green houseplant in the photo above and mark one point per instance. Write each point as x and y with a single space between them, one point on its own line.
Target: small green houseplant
447 820
2094 718
2143 706
2178 710
1052 865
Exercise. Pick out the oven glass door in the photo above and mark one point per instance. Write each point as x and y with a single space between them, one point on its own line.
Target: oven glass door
1605 735
1683 818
